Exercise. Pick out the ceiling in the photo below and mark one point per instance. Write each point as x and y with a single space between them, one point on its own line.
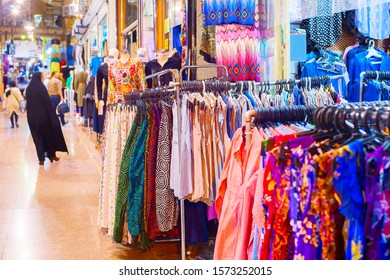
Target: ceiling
52 23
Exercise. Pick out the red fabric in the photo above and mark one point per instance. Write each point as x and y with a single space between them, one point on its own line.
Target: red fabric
151 216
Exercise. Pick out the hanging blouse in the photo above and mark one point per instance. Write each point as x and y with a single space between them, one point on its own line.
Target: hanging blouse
126 77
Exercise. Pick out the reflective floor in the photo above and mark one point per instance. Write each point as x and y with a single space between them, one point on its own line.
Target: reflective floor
50 212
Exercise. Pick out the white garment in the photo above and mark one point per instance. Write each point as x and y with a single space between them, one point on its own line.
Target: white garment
175 161
186 187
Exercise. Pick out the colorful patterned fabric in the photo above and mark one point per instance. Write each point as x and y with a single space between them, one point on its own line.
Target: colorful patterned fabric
166 204
325 204
136 177
372 233
238 47
151 216
123 181
349 178
183 33
303 219
126 77
217 12
381 215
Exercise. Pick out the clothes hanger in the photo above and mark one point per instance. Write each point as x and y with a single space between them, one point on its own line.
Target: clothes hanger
372 52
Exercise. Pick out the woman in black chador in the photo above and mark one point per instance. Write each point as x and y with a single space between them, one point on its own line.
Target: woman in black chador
44 124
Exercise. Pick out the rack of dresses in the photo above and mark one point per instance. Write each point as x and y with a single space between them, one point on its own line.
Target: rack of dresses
308 193
377 89
200 120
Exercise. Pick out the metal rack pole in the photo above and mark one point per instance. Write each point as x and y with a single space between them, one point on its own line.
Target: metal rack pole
202 67
362 75
295 82
158 74
182 210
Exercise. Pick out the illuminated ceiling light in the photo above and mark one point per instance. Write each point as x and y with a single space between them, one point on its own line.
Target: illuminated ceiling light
19 1
15 11
29 27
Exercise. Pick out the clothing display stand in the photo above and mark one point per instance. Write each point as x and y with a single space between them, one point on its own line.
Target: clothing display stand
372 75
173 72
176 86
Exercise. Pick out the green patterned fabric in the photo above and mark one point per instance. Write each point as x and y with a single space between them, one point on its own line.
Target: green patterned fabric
144 238
136 177
123 182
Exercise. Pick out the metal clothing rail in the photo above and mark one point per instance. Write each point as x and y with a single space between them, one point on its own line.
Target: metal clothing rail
308 81
372 75
252 113
173 72
185 68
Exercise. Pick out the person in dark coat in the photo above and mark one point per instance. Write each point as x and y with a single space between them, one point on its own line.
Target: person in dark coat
44 124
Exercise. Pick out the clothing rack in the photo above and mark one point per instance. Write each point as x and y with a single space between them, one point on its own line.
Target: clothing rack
203 85
303 113
372 75
305 82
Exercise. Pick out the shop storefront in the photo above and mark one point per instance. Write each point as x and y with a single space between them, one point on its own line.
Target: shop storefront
149 24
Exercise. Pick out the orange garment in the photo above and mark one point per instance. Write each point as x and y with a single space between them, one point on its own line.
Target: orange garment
235 196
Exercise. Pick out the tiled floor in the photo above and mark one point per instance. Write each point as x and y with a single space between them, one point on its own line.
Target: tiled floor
50 212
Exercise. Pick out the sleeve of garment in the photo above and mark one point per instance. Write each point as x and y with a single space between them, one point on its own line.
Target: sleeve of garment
223 182
141 73
99 84
111 76
148 71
